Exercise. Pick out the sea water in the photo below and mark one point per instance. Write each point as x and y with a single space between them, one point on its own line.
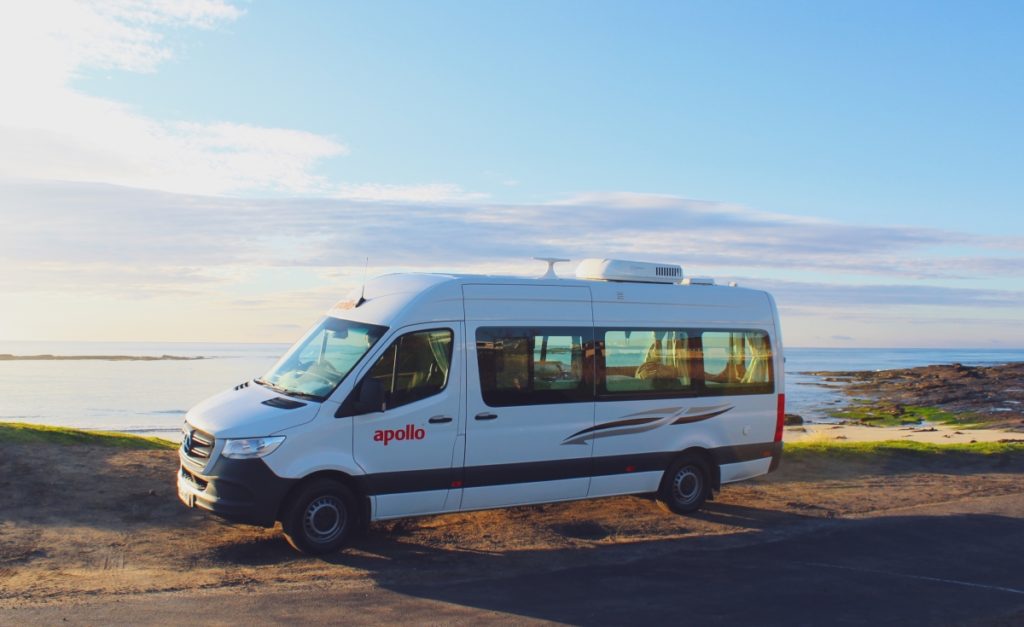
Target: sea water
151 397
143 397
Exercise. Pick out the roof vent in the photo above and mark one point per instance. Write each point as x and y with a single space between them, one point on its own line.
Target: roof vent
698 280
633 271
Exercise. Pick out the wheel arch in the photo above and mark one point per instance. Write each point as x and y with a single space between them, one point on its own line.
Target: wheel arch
710 463
350 482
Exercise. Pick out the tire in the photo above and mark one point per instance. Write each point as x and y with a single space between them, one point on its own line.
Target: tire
686 485
320 517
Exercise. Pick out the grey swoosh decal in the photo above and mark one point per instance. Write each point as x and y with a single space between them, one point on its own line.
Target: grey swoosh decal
618 423
701 410
645 421
682 420
621 427
661 413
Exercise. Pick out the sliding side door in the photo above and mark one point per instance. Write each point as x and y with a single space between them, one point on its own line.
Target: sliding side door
529 392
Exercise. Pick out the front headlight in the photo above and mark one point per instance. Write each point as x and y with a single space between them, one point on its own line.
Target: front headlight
251 448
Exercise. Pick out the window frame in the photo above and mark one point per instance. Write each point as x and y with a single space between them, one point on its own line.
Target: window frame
346 408
698 384
601 385
595 360
294 351
584 393
737 389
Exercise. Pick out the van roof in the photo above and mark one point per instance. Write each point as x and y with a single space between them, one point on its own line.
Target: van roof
398 299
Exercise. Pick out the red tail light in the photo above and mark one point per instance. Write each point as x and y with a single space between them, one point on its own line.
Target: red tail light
780 417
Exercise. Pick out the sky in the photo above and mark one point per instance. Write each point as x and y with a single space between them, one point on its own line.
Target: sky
205 170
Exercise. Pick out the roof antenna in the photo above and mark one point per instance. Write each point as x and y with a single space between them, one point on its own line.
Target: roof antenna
362 290
551 261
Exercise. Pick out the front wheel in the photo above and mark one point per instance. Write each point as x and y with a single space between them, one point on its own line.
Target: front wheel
686 485
320 518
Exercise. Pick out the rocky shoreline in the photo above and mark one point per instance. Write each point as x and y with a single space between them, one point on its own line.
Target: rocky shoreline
987 396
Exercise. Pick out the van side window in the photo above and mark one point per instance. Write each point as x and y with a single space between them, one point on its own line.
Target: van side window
533 366
737 362
415 366
647 362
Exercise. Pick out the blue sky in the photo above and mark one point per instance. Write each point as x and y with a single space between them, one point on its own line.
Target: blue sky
880 112
861 160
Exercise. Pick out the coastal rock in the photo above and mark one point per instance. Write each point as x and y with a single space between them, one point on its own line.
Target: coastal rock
793 420
992 395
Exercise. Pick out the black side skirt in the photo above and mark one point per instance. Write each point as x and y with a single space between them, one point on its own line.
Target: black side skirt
528 472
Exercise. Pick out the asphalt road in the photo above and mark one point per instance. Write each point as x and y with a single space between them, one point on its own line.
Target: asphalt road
959 564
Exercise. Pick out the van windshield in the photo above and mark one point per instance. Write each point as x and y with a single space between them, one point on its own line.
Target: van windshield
317 363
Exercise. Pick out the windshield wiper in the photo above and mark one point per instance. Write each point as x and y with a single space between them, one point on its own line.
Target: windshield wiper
268 384
287 392
306 395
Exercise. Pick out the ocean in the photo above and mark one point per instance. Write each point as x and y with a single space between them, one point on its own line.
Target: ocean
151 397
142 397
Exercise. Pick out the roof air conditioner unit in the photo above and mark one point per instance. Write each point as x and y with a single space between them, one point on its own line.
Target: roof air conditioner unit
632 271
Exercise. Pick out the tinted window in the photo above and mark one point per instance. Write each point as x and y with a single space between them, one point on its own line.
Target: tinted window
415 366
647 362
529 366
736 362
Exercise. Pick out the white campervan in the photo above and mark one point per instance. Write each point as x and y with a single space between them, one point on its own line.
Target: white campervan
431 393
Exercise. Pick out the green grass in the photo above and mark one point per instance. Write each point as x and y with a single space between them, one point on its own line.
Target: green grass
23 433
898 447
888 415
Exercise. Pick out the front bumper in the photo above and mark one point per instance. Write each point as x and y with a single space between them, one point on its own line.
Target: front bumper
240 490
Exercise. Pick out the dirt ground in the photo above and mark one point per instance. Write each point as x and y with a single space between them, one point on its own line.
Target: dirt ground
80 523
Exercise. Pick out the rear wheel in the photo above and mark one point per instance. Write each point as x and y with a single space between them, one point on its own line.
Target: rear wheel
685 486
320 517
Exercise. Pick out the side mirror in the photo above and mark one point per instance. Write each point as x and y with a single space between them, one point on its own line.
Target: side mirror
370 397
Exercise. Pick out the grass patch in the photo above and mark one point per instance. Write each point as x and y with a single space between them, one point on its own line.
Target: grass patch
889 415
23 433
901 447
844 460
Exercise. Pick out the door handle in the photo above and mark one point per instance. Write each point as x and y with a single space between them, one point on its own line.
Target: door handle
439 419
486 416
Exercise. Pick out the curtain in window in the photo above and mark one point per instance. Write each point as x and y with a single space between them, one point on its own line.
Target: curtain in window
440 343
760 355
682 357
737 358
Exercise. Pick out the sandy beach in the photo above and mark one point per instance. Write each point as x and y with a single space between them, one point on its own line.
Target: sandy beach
937 434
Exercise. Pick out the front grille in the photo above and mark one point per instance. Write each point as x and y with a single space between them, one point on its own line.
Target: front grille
194 480
197 444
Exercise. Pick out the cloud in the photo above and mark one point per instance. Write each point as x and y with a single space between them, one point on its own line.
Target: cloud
74 223
430 193
115 280
48 42
820 296
49 130
276 260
